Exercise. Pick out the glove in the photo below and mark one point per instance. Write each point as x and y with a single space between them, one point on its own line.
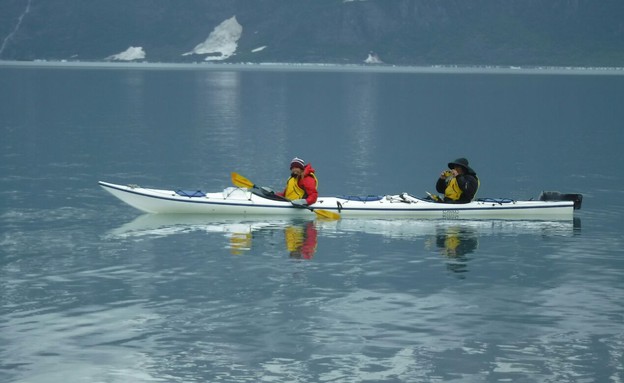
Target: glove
299 202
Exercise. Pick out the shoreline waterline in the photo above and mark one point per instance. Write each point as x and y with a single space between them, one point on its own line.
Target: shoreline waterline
316 67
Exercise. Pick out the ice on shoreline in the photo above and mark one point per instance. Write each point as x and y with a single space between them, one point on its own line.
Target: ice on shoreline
223 40
130 54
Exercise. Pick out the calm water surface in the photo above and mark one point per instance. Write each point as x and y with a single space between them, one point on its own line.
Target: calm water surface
93 291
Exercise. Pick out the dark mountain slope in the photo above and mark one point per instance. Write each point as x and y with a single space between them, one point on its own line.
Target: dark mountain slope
402 32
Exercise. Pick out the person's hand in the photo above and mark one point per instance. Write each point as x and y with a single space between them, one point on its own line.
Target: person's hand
447 173
299 202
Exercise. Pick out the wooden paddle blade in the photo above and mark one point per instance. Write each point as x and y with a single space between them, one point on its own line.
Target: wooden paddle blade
326 214
241 182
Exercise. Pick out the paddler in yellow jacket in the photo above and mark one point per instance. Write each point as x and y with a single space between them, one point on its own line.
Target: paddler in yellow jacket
301 187
460 184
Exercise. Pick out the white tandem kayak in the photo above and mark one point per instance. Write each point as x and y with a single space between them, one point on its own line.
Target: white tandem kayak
257 202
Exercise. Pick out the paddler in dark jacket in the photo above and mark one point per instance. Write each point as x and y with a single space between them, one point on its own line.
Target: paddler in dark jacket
460 184
301 187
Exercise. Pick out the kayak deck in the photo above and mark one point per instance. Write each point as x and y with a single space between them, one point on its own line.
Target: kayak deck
241 201
408 206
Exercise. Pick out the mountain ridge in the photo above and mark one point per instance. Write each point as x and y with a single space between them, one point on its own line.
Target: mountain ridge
400 32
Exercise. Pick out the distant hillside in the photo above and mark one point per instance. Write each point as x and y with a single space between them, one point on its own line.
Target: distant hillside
400 32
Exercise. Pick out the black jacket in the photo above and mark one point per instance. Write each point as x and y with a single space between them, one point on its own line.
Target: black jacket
468 183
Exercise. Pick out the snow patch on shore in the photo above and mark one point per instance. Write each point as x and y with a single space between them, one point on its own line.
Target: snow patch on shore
222 41
130 54
373 58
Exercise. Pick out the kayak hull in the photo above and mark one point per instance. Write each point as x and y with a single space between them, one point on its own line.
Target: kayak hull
244 202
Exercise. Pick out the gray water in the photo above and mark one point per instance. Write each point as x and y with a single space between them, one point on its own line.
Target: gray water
91 290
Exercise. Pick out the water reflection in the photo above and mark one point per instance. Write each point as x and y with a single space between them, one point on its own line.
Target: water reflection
301 240
300 236
454 240
455 243
363 126
415 229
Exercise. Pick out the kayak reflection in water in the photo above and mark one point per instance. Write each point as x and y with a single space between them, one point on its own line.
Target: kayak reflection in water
301 240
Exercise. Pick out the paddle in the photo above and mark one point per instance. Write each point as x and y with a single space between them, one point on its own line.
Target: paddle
242 182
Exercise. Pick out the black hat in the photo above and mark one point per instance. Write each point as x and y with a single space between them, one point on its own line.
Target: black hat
463 163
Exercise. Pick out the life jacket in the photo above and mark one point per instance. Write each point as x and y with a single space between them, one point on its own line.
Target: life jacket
294 191
453 191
